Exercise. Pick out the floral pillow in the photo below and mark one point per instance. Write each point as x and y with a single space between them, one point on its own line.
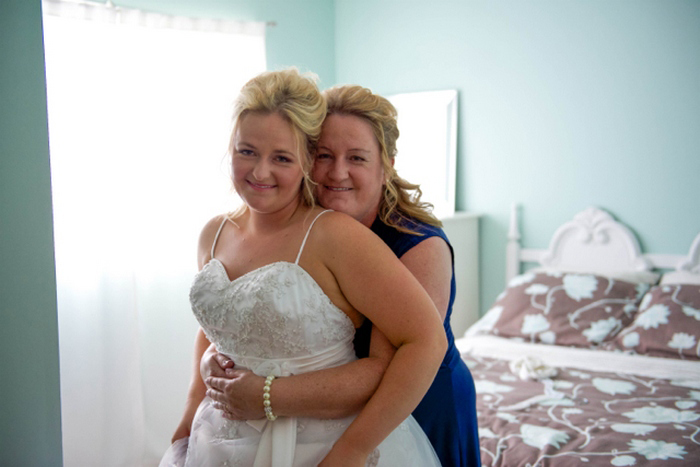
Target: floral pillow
667 325
570 309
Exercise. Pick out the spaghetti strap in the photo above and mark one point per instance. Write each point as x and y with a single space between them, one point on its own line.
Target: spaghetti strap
216 239
307 234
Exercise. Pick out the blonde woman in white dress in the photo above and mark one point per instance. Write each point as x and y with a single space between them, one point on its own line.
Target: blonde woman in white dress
281 289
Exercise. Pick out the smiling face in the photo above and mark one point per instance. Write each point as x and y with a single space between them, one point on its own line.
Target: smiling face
348 168
267 171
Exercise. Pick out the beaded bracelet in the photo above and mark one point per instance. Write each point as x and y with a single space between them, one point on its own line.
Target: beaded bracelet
266 398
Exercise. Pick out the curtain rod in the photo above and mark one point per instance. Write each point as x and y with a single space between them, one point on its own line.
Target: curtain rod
109 4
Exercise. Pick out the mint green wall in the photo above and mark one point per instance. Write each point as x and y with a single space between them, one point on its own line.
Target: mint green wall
563 104
30 425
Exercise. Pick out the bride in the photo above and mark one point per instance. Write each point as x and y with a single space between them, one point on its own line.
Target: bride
281 289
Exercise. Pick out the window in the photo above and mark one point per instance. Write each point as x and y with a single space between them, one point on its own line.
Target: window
139 119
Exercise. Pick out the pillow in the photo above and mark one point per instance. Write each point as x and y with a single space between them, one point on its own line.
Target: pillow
680 277
647 277
667 325
580 310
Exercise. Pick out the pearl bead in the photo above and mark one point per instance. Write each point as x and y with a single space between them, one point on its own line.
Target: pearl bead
266 398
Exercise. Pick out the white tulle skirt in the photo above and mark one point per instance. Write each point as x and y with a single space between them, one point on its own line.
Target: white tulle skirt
297 442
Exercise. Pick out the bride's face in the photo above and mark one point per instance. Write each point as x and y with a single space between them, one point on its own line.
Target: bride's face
267 171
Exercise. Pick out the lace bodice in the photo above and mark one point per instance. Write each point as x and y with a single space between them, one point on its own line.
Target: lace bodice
275 312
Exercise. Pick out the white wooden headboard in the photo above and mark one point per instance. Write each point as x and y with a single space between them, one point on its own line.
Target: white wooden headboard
592 242
691 263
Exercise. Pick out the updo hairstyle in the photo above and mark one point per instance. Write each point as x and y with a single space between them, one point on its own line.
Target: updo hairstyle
297 99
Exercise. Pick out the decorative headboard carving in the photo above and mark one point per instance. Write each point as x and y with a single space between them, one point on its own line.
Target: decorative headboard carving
594 242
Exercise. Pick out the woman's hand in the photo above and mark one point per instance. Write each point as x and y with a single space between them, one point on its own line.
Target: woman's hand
238 394
196 391
182 430
342 455
214 364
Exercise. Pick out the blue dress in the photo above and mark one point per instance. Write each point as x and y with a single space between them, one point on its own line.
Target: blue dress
447 413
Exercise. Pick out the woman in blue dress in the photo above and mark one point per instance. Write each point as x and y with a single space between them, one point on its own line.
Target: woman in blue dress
354 172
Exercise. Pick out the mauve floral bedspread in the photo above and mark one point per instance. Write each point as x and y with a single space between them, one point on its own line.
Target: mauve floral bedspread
584 417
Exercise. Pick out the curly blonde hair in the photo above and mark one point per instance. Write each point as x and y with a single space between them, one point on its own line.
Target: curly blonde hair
297 99
400 202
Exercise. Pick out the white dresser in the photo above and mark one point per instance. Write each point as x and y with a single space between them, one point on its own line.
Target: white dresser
462 228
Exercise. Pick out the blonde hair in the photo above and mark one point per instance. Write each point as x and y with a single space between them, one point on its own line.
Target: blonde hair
297 99
400 199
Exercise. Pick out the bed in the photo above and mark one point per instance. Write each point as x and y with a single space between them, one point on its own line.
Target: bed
592 356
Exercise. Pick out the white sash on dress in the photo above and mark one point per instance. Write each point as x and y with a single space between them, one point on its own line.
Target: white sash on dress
278 439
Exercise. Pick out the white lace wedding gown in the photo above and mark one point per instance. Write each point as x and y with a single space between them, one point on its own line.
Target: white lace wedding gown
276 320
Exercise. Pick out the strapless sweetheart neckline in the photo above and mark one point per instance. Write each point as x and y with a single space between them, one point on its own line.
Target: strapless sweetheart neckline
266 266
295 266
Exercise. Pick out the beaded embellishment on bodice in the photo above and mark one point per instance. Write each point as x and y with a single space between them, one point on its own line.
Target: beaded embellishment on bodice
277 311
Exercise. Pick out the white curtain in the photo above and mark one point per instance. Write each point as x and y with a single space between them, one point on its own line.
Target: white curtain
139 118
